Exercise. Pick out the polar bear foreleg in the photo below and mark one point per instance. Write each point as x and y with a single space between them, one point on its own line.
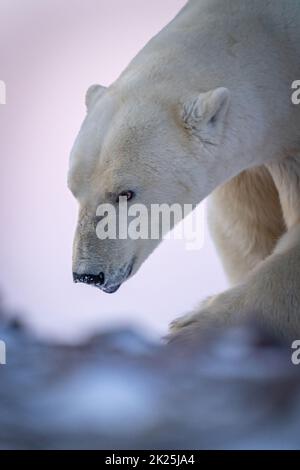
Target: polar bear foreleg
270 295
270 292
245 221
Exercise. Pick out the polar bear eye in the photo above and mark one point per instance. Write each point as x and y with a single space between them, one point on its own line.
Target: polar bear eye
128 194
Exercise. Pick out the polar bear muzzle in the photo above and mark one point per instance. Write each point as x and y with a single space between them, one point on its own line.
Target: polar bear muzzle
108 286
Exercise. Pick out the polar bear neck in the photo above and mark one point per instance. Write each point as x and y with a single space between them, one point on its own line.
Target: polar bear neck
209 45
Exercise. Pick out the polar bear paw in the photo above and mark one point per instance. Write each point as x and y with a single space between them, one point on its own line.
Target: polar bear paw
216 312
188 319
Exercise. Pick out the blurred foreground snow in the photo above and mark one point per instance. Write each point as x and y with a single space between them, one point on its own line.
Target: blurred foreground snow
121 391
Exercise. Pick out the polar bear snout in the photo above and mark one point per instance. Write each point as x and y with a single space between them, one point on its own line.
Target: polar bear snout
95 280
109 282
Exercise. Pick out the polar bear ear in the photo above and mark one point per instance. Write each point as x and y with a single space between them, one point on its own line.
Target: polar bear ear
204 115
93 94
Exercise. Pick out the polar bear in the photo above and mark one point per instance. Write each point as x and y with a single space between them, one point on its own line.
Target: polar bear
203 110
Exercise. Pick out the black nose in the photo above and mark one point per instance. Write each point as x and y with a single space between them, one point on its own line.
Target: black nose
94 279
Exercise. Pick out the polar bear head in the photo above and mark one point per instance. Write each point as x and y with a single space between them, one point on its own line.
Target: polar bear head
142 149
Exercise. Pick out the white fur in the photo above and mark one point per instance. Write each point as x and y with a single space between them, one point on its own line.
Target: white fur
205 108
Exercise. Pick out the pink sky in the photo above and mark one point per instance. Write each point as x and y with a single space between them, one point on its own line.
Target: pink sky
50 52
